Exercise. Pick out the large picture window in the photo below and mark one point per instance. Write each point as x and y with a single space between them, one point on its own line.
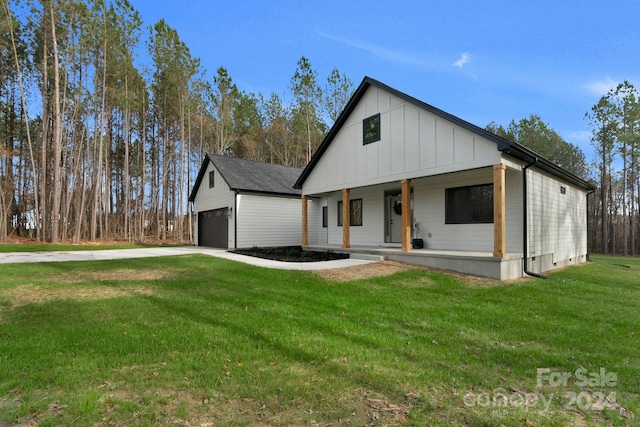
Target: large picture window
355 206
469 205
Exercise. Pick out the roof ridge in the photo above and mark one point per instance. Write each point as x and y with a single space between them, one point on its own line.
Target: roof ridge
252 160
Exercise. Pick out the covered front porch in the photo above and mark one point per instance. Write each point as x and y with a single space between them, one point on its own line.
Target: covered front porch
468 262
480 248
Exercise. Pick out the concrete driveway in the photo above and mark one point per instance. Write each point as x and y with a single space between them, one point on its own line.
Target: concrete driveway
61 256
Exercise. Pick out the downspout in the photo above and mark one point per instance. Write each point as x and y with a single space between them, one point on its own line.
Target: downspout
525 223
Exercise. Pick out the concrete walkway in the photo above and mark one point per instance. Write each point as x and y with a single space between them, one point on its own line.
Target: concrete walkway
24 257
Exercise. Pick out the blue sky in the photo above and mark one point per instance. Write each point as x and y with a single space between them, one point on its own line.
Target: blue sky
480 60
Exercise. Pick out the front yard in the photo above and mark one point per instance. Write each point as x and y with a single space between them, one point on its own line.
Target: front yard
195 340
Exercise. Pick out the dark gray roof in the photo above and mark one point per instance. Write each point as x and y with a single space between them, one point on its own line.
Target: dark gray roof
249 175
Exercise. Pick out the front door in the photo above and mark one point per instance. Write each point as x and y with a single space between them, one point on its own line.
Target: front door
393 217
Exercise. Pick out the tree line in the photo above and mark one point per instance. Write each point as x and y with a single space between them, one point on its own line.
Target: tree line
94 146
614 208
615 213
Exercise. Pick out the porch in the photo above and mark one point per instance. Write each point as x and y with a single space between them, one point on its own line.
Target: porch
469 262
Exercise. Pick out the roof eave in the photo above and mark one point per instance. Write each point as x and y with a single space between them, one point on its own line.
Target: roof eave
523 153
274 193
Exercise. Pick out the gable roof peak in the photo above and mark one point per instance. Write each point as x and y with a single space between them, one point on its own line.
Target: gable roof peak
502 144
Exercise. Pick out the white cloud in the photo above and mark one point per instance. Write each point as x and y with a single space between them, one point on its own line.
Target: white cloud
407 58
579 136
464 58
600 87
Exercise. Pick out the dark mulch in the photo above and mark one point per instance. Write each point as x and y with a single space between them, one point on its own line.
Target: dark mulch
291 254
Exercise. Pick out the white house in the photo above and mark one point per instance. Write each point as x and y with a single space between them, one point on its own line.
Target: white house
484 205
241 203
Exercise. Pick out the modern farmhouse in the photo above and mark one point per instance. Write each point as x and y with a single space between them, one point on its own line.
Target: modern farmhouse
393 169
242 203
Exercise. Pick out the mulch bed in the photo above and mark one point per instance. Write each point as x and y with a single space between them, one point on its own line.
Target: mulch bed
291 254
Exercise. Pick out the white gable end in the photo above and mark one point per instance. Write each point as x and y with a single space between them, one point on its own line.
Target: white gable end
213 197
413 143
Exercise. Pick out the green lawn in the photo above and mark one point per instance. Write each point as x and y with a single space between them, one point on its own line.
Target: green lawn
47 247
194 340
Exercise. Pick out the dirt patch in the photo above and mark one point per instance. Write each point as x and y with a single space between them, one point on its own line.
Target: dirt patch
122 274
29 294
382 412
54 409
370 409
387 268
366 271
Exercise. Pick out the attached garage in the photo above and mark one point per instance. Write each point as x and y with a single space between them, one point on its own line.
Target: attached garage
213 228
241 203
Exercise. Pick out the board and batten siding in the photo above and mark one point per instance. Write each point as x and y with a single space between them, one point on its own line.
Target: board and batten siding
268 221
414 143
220 196
557 222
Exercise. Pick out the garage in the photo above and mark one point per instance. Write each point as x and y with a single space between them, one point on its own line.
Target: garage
213 228
240 203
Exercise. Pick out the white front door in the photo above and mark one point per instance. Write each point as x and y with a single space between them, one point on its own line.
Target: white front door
393 217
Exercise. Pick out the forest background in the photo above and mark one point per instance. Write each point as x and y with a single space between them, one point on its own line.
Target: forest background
95 146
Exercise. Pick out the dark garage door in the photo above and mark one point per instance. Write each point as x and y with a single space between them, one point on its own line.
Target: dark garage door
213 228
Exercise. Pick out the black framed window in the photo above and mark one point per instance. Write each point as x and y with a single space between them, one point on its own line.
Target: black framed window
371 129
469 205
325 217
355 206
212 179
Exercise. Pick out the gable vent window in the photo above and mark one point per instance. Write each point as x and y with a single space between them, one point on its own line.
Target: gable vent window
212 179
563 190
371 129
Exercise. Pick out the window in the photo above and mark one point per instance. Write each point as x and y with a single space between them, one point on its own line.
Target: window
355 211
325 217
212 176
371 129
563 190
469 205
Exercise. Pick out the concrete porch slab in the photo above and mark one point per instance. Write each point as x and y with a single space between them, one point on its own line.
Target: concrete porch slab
467 262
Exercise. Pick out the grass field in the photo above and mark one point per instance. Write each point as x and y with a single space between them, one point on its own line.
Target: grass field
194 340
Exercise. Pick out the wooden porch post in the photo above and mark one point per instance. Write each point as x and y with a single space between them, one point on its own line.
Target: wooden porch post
346 218
305 219
499 241
406 215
